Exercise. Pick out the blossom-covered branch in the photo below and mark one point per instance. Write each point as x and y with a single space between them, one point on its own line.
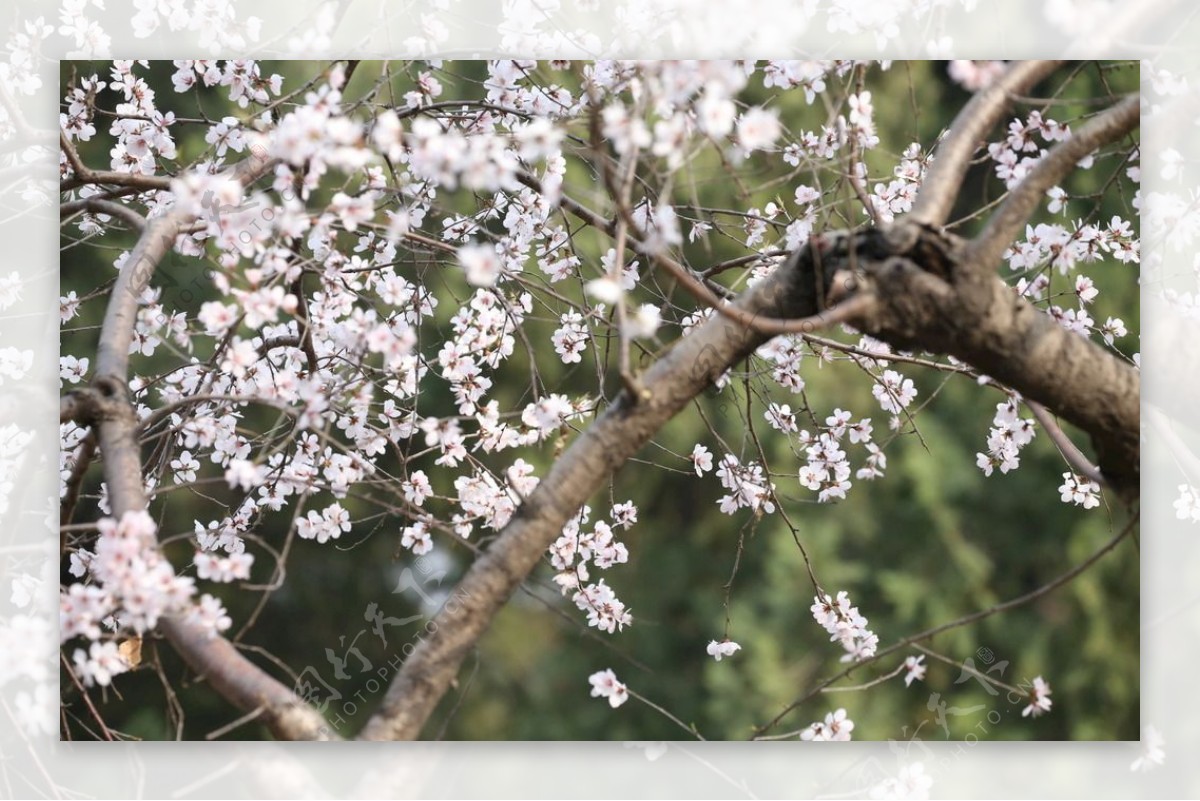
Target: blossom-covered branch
940 189
406 332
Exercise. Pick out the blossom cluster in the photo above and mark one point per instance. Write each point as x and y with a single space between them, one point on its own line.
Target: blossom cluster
835 727
827 470
897 195
1080 491
576 548
133 582
894 392
845 625
129 587
1009 434
747 485
1065 248
605 685
1011 164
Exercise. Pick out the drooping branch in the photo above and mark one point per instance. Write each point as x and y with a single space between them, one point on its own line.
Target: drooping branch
1005 224
940 188
231 674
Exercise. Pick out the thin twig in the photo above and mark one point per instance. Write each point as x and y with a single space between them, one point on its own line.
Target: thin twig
958 623
872 683
86 698
228 727
689 729
966 668
1066 447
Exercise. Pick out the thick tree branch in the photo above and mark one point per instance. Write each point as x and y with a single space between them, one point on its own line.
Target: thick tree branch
231 674
73 408
1005 224
940 188
684 371
921 305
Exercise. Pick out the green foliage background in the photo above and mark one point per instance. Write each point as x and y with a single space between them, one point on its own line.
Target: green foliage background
932 541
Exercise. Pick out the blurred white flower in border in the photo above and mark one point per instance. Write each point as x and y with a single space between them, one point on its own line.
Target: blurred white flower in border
1152 751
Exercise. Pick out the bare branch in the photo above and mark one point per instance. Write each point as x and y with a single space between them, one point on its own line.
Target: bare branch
1068 449
98 205
941 185
244 684
1004 226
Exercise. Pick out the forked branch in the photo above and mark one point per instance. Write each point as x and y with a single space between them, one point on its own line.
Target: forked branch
940 188
236 678
1005 224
